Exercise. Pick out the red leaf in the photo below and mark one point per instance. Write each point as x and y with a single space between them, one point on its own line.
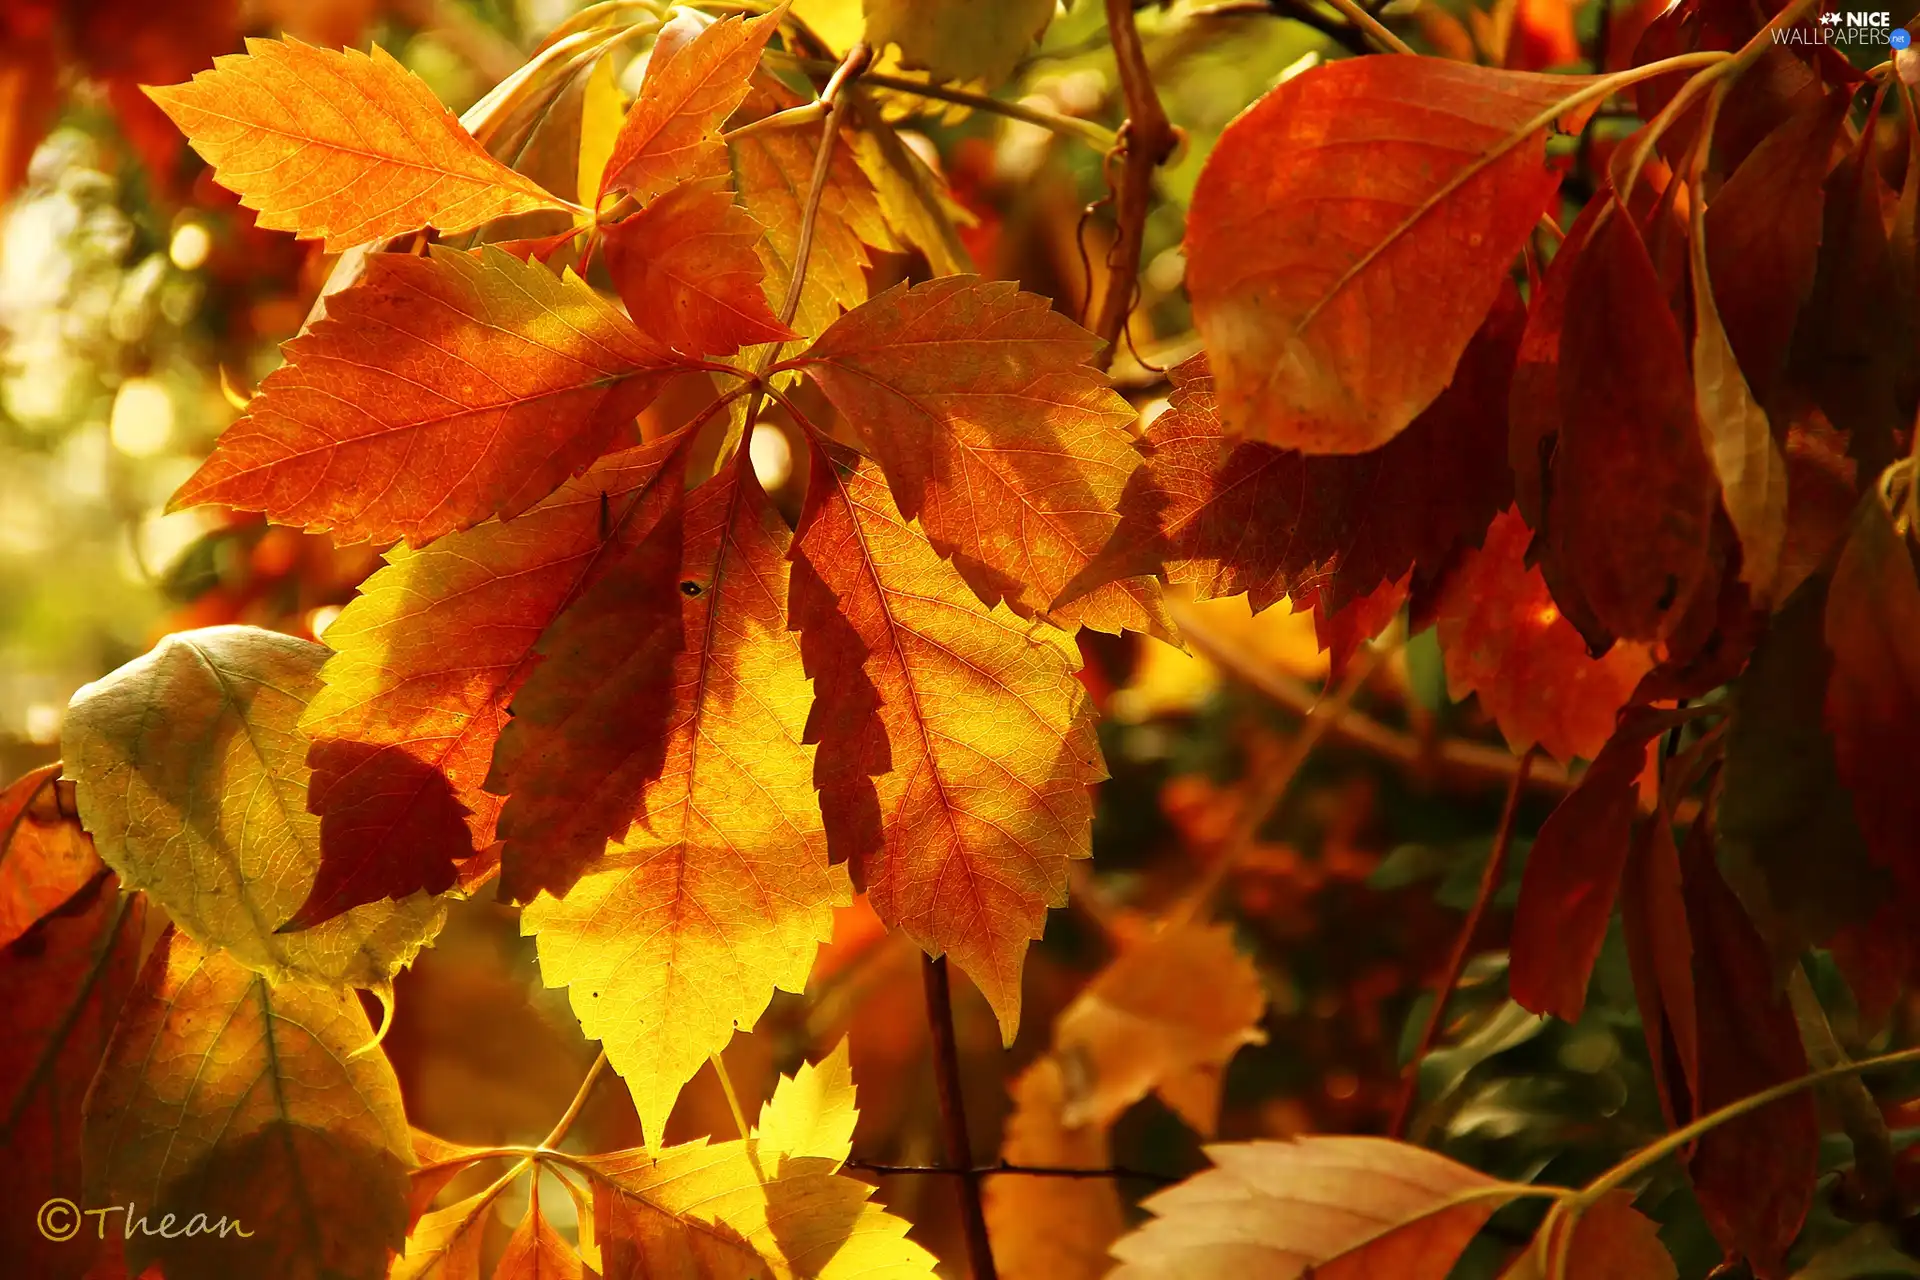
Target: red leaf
44 855
1573 874
1502 637
1341 631
1653 918
1873 693
1633 492
687 269
1336 272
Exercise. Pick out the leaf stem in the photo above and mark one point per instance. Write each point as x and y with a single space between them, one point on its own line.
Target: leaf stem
1366 22
953 1114
1491 878
733 1098
1090 132
579 1101
1145 141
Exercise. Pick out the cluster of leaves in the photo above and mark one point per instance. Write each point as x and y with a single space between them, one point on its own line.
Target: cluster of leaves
1666 498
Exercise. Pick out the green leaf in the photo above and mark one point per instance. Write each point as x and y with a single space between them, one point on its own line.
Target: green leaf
959 39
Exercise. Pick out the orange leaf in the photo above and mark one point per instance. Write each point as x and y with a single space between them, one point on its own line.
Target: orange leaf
672 132
536 1251
1342 248
1503 639
687 269
44 855
955 747
1051 1228
1612 1241
1329 1208
994 433
425 660
720 891
437 392
347 147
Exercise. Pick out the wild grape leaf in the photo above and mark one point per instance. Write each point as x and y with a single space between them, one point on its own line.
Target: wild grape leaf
45 857
955 748
437 392
225 1095
62 983
1573 875
425 660
191 774
445 1244
1612 1241
994 433
1341 631
1226 516
1333 1208
1633 491
344 147
813 1111
1821 489
672 133
536 1251
959 39
437 1162
1052 1228
1502 638
773 171
1165 1016
1339 255
1753 1176
752 1207
688 270
914 200
1873 693
721 889
1653 922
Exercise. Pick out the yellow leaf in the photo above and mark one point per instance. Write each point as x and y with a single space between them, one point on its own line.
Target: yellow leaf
721 890
1051 1228
224 1096
959 39
601 113
191 774
344 147
1333 1208
445 1244
1167 1015
812 1112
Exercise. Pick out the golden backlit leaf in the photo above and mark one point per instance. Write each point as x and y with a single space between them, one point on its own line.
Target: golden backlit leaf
344 146
437 392
602 113
44 855
959 39
1164 1016
536 1251
225 1095
956 749
1332 1208
720 891
813 1111
993 430
191 774
1052 1228
445 1244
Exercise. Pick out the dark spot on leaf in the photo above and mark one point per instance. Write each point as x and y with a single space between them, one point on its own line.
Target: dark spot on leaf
689 589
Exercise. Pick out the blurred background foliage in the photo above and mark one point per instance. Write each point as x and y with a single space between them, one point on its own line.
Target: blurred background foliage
139 305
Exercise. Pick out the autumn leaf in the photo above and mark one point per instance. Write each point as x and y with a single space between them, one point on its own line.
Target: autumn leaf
63 981
1502 638
437 392
955 748
191 775
995 434
1633 491
1612 1241
1350 232
445 1244
1332 1208
404 728
1226 516
536 1251
1653 922
914 200
344 147
687 268
720 891
45 857
773 1206
1047 1228
813 1111
959 39
1573 874
1165 1016
225 1096
672 133
1873 694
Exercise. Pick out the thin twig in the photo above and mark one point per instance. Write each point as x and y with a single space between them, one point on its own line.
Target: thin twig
1366 22
733 1098
579 1100
1120 1172
1147 139
1492 876
953 1114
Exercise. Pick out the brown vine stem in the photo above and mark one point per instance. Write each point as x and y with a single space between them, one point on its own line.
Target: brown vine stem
1146 140
1491 878
953 1115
